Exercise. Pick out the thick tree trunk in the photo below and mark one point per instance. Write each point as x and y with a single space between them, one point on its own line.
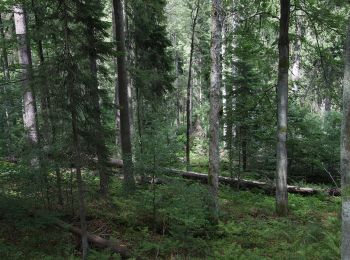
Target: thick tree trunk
25 60
345 155
282 99
189 87
125 132
215 106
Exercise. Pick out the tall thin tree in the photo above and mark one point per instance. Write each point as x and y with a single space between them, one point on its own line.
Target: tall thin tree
25 60
6 71
282 99
345 155
125 132
72 89
194 16
215 106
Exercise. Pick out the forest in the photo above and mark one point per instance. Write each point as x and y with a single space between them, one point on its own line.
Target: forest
175 129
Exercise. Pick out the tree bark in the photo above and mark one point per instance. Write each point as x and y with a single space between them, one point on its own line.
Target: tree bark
230 98
116 91
44 97
189 87
345 155
215 106
6 71
125 133
297 52
100 142
25 60
282 99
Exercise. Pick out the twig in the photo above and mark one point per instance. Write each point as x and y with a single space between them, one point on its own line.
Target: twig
336 185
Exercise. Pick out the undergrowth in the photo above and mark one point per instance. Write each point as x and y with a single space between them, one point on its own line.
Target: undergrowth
170 221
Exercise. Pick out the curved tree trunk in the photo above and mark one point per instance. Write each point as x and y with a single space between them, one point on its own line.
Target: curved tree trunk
282 99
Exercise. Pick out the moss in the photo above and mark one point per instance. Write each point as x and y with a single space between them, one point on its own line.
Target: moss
283 130
346 192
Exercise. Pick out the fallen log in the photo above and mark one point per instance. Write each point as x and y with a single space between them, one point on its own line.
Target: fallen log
98 241
248 184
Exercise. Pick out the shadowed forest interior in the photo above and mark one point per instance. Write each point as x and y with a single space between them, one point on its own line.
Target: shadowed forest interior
174 129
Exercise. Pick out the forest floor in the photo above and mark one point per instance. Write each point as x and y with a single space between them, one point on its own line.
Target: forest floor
168 221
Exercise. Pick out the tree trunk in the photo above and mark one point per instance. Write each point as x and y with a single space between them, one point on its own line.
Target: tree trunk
71 67
230 98
6 71
244 148
125 133
297 52
282 99
345 155
100 143
81 196
25 61
116 91
44 97
97 240
130 50
215 107
189 87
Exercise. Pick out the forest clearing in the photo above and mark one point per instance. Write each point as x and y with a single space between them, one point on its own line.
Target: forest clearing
175 129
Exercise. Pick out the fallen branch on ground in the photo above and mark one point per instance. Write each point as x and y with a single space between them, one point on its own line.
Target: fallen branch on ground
98 241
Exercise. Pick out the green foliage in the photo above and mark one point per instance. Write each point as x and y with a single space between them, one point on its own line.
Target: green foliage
314 143
251 231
